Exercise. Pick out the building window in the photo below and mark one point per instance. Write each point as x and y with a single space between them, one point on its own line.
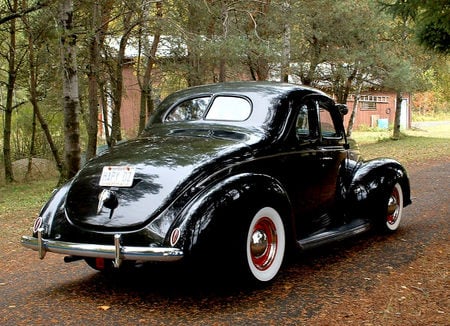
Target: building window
368 106
374 98
369 102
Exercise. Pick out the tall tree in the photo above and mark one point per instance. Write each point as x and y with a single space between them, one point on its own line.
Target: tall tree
12 73
147 59
98 16
286 53
36 41
128 20
71 102
399 68
92 75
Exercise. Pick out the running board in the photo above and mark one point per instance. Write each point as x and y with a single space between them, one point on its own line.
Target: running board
345 231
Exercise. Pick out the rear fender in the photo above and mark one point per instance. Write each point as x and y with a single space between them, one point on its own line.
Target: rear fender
373 182
52 212
222 205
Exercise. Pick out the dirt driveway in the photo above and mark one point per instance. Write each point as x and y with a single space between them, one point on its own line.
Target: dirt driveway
371 280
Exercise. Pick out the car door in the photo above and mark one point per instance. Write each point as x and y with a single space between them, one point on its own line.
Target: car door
320 149
301 165
333 152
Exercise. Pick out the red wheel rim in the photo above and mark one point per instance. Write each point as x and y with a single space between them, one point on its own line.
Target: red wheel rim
393 207
263 245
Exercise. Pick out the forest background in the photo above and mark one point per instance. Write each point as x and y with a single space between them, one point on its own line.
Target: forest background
61 60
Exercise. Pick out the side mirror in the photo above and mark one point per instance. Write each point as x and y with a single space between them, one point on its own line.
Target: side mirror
342 108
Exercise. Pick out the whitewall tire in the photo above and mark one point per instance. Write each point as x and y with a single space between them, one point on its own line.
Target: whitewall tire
265 245
394 209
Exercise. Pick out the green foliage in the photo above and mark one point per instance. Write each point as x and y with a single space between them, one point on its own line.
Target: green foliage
334 45
435 102
432 19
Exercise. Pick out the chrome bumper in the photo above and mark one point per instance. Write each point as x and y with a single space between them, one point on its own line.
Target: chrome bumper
116 252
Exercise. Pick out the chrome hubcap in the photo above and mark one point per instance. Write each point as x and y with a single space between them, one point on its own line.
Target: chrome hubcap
259 243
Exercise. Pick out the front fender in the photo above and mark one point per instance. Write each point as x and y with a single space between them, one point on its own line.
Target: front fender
223 205
372 182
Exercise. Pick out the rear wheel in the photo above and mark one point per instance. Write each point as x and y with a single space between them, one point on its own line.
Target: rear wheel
265 244
394 209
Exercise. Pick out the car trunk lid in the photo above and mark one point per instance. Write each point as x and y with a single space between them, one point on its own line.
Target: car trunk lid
165 167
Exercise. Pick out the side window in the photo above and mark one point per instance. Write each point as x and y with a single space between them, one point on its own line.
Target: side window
189 110
327 126
306 127
302 126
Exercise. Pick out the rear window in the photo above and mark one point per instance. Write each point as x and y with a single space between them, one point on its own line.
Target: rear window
227 108
223 108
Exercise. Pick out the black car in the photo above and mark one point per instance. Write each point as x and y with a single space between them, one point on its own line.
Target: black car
230 174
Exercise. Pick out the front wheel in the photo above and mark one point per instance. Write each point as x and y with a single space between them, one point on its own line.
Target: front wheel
394 209
265 244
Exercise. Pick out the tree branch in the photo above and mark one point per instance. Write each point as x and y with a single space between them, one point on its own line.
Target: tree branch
14 15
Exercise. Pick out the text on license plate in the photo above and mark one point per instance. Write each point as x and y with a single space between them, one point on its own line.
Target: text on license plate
117 176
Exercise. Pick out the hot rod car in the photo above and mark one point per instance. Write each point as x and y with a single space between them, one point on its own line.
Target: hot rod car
233 174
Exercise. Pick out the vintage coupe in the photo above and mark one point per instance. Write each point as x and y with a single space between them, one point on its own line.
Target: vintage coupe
229 175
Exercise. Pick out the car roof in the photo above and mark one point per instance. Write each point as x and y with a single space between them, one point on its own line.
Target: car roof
246 87
266 98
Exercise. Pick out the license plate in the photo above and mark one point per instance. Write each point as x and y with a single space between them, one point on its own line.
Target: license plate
117 176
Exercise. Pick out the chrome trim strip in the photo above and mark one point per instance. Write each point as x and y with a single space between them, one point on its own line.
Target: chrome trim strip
115 252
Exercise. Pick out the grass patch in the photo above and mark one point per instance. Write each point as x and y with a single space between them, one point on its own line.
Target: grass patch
434 116
25 196
413 146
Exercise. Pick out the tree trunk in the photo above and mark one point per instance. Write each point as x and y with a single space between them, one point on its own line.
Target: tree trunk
285 60
104 105
146 104
34 100
106 8
116 133
315 59
70 90
398 111
92 129
352 119
342 92
32 152
48 136
117 91
7 157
